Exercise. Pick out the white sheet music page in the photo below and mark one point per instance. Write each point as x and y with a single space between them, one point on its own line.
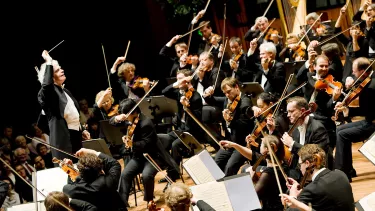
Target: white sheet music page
49 180
198 170
213 193
368 149
368 202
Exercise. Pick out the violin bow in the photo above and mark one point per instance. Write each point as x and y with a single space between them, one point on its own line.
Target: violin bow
32 186
269 6
106 67
300 40
55 46
194 30
284 92
269 25
153 163
43 142
208 2
333 36
221 61
356 81
300 23
190 35
126 52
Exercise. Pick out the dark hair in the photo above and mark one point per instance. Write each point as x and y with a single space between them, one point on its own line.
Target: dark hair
186 72
362 63
331 50
235 39
311 152
267 97
89 167
51 204
126 105
231 82
38 146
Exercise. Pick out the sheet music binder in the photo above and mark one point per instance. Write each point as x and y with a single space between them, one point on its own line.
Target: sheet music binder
367 203
202 168
46 185
234 193
112 134
189 141
368 149
27 207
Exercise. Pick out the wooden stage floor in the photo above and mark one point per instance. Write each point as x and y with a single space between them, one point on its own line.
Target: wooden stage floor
362 185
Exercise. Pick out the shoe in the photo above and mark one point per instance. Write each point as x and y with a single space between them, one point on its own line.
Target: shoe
162 180
353 173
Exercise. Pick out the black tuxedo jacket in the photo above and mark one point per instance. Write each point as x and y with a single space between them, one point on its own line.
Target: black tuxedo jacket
369 34
243 73
102 192
79 205
330 190
53 101
275 77
170 53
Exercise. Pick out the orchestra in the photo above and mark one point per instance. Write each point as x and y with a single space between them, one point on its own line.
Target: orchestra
294 145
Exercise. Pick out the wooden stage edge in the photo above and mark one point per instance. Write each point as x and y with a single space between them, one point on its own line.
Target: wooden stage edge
362 185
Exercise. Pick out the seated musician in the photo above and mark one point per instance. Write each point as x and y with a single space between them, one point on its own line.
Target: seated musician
293 52
209 39
181 49
270 74
330 190
237 125
310 131
315 91
179 198
356 45
126 84
140 137
98 180
269 35
359 130
318 30
236 67
52 203
180 91
368 25
207 83
266 184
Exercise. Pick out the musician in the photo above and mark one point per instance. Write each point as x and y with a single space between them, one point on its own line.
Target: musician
293 52
181 49
179 198
270 73
266 187
310 131
126 80
359 130
329 190
61 108
260 27
98 180
237 126
209 39
332 51
370 29
319 30
144 140
185 123
103 104
236 67
356 45
51 203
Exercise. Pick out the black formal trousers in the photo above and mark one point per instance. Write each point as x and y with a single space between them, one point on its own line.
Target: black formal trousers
229 161
135 166
346 134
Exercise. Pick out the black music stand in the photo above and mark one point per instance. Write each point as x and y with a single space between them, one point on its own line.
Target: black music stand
189 141
158 106
98 145
292 67
112 134
251 89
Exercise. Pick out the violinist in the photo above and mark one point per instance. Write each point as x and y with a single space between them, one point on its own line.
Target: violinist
75 204
370 29
179 61
236 67
183 92
266 186
330 190
359 130
293 52
97 181
142 140
209 40
319 30
236 123
356 45
260 27
310 131
129 86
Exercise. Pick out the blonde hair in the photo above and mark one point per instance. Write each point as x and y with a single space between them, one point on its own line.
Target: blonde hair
181 45
100 94
178 196
42 70
125 67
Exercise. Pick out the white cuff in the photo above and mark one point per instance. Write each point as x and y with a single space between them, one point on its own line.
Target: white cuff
307 64
265 71
250 52
49 63
97 153
113 70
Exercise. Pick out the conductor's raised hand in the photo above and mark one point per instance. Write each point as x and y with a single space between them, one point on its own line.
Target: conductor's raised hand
46 56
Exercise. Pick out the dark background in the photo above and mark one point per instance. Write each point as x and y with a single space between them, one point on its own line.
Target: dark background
147 23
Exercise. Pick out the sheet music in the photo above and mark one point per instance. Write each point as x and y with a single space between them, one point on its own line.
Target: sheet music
198 171
27 207
368 149
214 194
46 185
368 202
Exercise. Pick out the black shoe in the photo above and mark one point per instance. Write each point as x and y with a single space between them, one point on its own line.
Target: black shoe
353 173
162 180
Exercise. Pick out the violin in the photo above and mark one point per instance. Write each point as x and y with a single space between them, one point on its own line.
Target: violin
257 175
271 32
113 111
299 52
232 106
138 82
327 84
258 129
69 169
131 128
236 58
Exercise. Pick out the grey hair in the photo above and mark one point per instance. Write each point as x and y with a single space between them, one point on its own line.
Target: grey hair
42 70
261 18
313 16
268 47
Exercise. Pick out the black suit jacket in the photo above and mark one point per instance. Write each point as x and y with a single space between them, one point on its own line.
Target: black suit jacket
369 34
53 101
195 106
203 206
170 53
102 192
275 77
330 190
79 205
243 73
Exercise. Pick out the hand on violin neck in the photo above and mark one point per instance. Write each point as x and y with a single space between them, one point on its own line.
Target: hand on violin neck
67 161
227 115
257 111
121 118
265 63
184 101
127 141
287 140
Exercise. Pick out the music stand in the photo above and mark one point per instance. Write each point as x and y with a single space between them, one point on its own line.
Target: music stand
98 145
292 67
171 80
189 141
112 134
252 89
158 106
